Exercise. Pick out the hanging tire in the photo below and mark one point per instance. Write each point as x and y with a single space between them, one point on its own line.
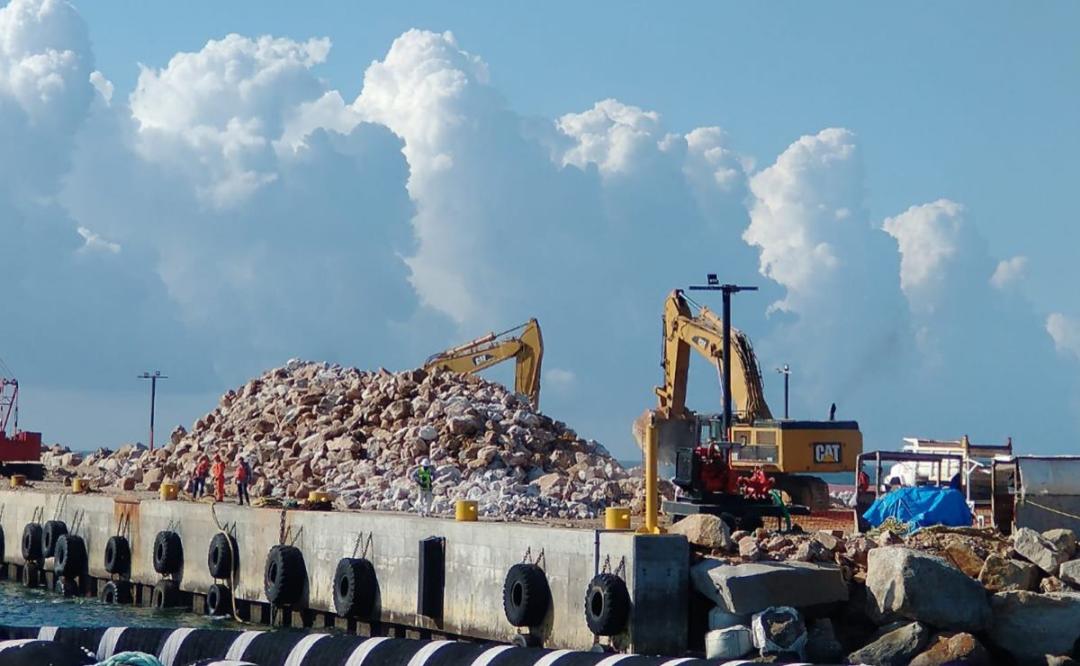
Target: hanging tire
32 575
69 557
526 595
168 553
116 592
283 578
218 600
223 556
607 605
166 595
31 543
66 586
54 529
354 588
117 555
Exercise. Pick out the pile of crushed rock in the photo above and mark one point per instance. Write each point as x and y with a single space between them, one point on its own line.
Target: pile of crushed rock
358 435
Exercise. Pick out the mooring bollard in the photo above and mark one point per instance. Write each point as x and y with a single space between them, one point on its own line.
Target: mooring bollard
465 511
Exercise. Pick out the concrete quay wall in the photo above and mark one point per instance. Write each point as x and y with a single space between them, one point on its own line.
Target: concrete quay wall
477 558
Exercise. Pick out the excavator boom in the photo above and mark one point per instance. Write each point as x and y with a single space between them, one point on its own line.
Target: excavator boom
526 348
684 331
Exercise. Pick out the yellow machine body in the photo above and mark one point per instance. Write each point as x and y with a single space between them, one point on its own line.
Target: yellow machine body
526 348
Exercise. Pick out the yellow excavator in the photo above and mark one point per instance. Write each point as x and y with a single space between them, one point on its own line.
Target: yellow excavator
522 343
789 451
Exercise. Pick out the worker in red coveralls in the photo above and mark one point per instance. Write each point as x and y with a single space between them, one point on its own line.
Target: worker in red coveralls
202 470
243 477
217 471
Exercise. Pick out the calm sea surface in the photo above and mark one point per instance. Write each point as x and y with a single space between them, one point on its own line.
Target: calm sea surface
20 606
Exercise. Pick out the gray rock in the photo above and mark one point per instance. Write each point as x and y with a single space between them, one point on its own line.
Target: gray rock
914 585
1030 626
751 588
1063 539
1070 572
821 644
749 549
1000 574
895 648
703 530
1038 550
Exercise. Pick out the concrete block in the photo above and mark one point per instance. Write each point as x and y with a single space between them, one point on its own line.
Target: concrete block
751 588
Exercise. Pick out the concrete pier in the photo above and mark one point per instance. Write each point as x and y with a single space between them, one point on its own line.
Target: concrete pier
477 558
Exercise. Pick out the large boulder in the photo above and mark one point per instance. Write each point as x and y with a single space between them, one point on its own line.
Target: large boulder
1000 574
1070 572
1030 626
753 587
945 649
964 557
1063 539
893 648
1038 550
703 530
902 582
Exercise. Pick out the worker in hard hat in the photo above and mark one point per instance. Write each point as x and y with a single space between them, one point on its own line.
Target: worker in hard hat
424 477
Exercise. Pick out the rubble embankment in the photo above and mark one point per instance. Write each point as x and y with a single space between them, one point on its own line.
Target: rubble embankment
938 596
357 435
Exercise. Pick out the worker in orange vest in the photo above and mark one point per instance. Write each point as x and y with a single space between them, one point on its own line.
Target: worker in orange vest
217 470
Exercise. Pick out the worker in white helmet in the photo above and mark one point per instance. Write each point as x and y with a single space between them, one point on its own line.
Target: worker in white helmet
424 477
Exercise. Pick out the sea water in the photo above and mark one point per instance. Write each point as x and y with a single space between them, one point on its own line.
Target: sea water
24 607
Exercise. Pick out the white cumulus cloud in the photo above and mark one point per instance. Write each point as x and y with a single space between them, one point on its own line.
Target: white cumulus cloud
1065 332
1009 271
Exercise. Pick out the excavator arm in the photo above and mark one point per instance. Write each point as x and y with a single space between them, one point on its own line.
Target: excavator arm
526 348
703 333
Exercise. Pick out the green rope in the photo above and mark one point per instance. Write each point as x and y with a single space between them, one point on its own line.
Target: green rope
130 659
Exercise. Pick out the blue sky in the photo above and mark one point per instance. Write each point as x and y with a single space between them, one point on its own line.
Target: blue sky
977 104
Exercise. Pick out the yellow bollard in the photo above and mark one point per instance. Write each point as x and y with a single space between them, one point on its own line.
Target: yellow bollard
78 485
465 511
18 480
319 497
617 518
652 491
168 491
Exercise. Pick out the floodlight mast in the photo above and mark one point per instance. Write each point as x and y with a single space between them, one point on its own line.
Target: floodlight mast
713 284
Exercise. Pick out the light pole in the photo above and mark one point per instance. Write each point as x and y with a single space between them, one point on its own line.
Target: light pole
727 290
153 398
786 372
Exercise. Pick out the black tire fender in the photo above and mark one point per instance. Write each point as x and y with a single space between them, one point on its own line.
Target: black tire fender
166 595
218 600
168 553
69 558
2 553
526 595
284 576
32 575
54 529
66 586
116 592
31 543
117 555
355 584
223 556
607 605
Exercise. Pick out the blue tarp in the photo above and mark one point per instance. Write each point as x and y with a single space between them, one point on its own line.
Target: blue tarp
922 506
